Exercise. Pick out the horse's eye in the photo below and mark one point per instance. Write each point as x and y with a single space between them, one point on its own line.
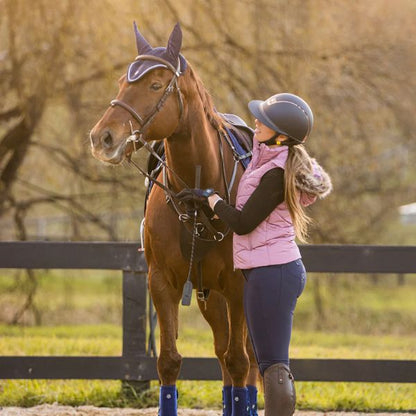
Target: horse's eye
156 86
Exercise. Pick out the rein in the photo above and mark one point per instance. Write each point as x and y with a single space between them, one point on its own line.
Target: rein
171 197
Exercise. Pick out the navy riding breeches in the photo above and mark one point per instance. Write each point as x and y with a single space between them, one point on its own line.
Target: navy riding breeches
270 295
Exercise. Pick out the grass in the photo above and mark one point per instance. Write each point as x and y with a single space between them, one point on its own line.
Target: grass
106 340
81 313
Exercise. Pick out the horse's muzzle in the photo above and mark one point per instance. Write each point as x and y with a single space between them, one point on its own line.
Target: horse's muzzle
105 148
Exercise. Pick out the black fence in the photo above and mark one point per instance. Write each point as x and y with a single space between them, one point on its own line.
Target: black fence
134 365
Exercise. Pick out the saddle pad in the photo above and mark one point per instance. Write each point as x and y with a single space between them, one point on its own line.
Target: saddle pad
241 137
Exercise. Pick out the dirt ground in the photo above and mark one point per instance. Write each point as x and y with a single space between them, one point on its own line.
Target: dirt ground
56 410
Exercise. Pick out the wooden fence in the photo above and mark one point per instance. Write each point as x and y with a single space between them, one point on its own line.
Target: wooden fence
134 365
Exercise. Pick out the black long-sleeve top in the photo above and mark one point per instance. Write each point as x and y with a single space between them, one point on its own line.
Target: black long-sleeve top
266 197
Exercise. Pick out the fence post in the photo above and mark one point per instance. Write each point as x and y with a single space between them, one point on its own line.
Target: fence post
134 325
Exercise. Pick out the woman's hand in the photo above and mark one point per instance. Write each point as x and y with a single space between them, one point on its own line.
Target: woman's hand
196 195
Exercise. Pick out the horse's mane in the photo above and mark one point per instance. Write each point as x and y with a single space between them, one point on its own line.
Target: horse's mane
214 118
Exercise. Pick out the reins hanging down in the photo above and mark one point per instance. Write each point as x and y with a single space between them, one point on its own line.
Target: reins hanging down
187 288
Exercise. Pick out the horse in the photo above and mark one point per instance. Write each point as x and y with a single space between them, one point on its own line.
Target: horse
161 98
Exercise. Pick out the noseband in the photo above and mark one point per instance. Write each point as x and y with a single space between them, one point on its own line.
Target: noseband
144 122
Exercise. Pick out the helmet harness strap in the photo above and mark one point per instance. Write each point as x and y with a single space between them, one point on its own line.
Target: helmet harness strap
272 141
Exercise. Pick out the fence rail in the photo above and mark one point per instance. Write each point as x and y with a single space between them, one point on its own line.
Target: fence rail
134 365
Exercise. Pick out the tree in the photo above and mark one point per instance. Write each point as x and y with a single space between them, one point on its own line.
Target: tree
352 61
54 62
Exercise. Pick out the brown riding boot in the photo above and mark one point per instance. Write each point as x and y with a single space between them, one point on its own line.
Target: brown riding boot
279 391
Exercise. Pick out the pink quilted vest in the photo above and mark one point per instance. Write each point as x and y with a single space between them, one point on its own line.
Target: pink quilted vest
273 241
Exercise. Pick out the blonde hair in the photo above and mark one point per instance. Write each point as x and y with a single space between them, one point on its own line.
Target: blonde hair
298 160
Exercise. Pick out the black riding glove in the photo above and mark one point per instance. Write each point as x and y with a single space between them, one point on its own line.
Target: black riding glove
196 195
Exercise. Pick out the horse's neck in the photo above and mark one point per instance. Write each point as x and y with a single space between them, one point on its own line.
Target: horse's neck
197 144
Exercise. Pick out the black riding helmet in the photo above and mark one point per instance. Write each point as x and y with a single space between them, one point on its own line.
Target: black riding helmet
286 114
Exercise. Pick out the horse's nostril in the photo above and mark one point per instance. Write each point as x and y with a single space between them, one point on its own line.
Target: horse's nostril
107 139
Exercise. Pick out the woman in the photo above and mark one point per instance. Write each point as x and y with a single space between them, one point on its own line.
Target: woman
280 180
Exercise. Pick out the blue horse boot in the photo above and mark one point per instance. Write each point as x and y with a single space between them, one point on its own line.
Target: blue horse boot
240 401
168 401
252 397
226 401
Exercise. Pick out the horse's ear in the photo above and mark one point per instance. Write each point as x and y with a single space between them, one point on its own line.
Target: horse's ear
143 45
175 42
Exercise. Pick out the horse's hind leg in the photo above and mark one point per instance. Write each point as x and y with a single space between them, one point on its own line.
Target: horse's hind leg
252 378
236 358
166 301
215 313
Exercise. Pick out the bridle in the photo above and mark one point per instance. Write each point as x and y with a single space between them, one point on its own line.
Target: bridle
137 136
144 122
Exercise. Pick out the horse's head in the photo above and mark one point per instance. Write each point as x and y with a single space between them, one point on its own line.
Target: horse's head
148 105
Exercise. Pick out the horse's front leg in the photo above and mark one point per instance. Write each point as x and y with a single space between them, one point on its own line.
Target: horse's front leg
166 300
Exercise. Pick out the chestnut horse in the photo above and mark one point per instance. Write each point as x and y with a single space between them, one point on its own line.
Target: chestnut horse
162 98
